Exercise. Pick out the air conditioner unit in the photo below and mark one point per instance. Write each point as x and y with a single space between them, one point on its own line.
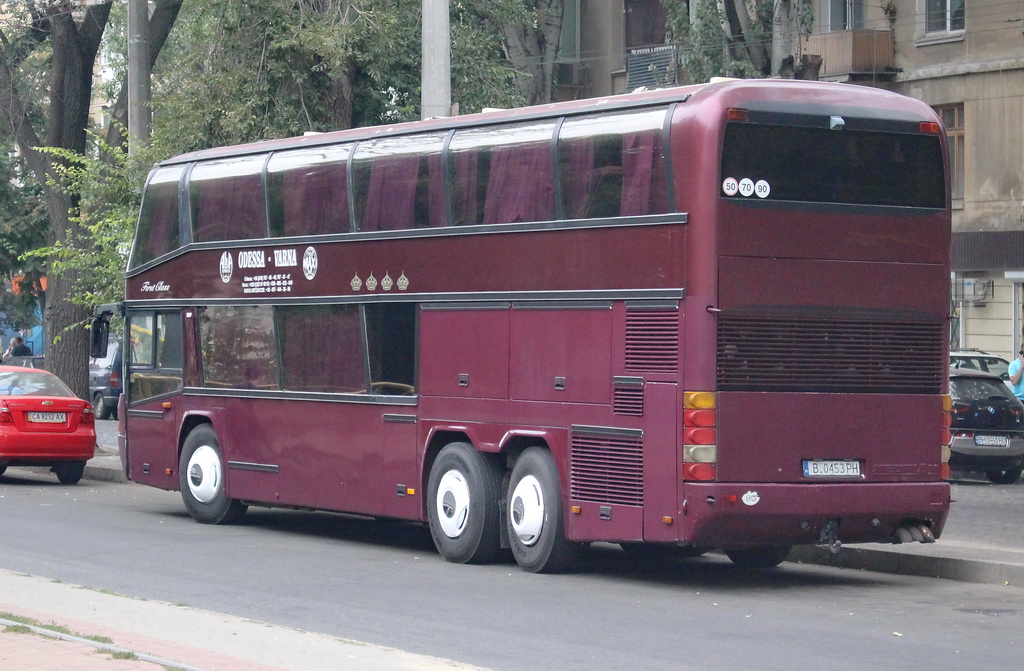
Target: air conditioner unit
973 290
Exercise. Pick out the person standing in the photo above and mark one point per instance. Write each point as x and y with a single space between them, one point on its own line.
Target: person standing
1016 372
17 348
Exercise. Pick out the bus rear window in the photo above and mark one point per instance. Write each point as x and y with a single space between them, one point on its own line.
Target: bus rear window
832 166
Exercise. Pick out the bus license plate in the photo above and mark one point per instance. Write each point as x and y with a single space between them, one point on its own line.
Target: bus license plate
826 468
991 441
47 417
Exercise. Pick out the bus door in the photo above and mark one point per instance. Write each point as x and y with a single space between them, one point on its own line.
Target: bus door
401 466
154 384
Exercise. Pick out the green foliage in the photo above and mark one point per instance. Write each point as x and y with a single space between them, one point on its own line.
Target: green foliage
246 70
705 48
23 227
107 194
715 43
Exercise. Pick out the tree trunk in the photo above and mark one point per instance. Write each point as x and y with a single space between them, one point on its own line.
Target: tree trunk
784 35
342 96
756 50
74 48
533 50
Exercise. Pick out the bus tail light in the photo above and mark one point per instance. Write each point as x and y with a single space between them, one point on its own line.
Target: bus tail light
932 127
736 114
700 435
947 436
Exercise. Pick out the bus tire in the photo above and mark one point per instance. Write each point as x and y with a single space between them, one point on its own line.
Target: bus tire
536 528
767 556
201 479
462 505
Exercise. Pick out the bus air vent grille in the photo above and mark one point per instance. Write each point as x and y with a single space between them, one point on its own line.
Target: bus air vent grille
652 341
607 469
806 354
629 401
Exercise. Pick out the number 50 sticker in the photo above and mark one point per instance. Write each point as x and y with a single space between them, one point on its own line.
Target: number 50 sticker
745 187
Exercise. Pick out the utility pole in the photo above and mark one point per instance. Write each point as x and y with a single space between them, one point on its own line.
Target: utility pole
139 116
436 81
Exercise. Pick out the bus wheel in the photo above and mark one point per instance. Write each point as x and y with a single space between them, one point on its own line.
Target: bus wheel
462 504
201 479
761 557
535 525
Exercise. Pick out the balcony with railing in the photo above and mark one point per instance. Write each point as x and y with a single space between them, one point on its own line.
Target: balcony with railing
854 55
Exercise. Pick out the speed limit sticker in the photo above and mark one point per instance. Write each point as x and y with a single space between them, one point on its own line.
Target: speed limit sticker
730 186
762 189
746 187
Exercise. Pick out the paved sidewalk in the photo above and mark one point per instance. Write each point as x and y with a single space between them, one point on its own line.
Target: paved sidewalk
127 634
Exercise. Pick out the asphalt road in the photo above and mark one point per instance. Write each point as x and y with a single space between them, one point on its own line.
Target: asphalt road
383 583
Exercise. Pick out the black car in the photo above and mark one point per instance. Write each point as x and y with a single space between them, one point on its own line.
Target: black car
988 426
105 381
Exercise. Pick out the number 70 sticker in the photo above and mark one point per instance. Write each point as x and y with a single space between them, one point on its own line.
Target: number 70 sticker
745 187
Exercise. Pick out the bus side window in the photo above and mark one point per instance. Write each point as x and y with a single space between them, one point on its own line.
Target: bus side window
613 165
238 345
322 348
226 198
155 353
391 340
392 177
502 174
307 191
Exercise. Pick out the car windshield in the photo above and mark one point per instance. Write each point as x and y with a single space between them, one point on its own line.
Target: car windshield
977 388
31 383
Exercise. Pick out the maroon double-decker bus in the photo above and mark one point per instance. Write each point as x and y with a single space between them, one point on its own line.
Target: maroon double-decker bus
703 317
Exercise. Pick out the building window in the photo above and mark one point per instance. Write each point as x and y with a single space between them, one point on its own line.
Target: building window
645 23
942 16
953 119
842 15
569 42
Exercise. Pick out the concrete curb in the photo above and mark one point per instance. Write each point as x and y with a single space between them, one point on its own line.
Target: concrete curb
904 563
104 468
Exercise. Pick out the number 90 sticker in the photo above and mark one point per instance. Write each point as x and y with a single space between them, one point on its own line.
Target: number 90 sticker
746 187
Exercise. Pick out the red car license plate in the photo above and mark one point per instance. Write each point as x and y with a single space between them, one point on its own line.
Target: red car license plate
47 417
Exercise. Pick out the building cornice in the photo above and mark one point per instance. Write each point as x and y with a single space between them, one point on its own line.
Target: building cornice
960 69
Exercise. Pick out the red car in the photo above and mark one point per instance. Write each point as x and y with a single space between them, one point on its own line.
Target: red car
43 423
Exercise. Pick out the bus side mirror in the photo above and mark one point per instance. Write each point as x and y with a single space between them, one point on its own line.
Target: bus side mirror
99 334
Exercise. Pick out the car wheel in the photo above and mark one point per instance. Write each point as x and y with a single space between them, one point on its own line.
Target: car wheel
1005 477
536 530
69 472
760 557
201 479
462 504
102 411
